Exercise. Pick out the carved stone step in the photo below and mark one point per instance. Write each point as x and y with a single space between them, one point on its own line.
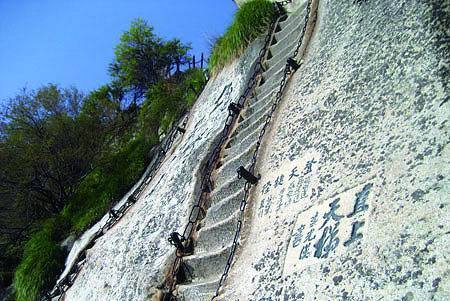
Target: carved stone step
225 188
282 55
294 18
279 66
266 93
225 208
258 102
244 142
287 32
269 86
240 145
240 134
216 236
229 169
284 37
207 267
252 116
203 291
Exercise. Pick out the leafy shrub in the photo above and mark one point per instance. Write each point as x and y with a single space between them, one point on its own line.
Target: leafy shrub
43 259
194 80
168 100
251 20
107 184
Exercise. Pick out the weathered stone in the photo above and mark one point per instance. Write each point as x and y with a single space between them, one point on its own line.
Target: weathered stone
67 243
361 141
353 200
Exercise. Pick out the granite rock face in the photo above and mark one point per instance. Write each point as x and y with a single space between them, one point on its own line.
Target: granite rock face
353 203
130 260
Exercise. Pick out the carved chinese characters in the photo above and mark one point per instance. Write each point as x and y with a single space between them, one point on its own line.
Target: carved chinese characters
291 183
328 229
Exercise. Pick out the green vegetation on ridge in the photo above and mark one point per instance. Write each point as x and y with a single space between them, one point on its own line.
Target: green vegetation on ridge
251 20
68 157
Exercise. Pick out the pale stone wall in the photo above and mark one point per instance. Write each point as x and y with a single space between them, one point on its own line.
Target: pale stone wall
353 203
353 200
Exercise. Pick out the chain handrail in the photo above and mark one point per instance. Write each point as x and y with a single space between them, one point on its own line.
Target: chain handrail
291 66
206 181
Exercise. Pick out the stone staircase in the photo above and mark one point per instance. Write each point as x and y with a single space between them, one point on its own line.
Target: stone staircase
217 229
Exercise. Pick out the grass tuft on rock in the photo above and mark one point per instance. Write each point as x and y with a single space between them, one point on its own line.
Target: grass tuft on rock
42 260
251 20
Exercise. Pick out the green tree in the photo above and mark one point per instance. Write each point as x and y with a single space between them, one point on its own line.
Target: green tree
143 59
168 100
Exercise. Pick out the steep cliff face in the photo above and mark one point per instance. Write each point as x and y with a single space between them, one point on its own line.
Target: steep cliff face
130 260
352 203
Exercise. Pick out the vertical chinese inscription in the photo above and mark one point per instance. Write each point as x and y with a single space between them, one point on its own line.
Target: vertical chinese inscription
289 184
328 228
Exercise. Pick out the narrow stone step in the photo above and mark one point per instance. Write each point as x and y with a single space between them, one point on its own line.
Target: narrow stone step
294 17
250 129
283 54
274 67
203 291
252 113
246 139
295 25
252 116
259 102
217 236
225 188
229 169
278 71
237 147
207 267
268 92
287 35
225 208
270 84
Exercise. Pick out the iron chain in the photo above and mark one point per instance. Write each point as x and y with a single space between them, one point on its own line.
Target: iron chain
286 75
214 156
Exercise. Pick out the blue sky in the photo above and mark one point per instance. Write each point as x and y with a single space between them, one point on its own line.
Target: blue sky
72 42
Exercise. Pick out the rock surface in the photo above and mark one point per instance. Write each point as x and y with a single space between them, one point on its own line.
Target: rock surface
353 200
353 203
68 243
